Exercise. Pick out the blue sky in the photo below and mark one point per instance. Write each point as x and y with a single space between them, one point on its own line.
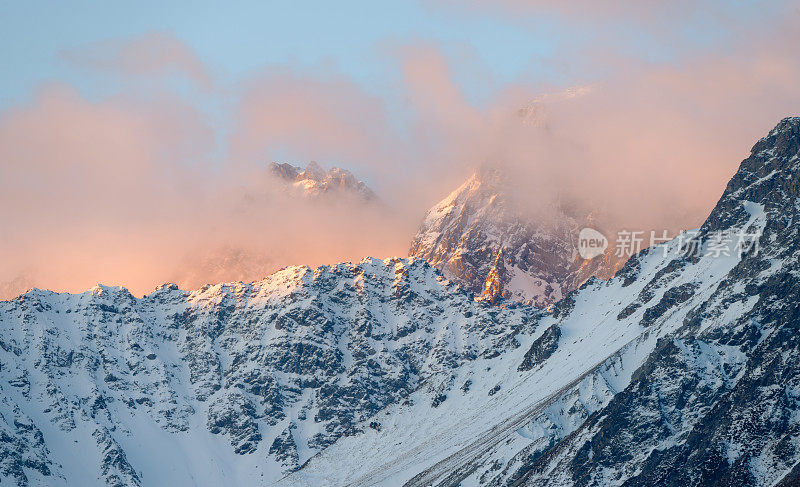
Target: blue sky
355 38
487 47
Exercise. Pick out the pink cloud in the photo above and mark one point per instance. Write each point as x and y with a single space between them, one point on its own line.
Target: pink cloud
650 145
151 54
82 183
116 192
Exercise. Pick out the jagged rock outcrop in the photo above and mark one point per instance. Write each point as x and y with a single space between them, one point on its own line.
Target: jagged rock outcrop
541 349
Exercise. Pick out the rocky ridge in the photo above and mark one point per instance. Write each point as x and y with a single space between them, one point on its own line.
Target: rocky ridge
232 383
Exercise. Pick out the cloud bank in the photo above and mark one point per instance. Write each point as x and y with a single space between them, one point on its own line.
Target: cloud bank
139 189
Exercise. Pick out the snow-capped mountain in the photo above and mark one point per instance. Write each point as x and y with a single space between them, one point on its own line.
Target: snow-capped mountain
233 384
481 238
314 182
684 369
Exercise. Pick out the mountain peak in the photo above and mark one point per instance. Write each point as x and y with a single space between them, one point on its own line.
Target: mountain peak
784 139
314 181
484 239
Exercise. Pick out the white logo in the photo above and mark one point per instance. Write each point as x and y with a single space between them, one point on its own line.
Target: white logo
591 243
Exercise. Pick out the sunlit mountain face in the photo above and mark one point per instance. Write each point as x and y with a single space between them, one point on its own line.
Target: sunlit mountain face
486 241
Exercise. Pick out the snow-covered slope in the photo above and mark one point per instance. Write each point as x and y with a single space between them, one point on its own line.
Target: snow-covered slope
233 384
682 370
480 237
315 182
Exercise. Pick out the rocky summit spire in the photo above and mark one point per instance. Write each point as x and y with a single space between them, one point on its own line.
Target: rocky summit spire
493 287
479 237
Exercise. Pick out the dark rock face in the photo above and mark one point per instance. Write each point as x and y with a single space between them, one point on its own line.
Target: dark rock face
541 349
233 415
114 466
272 371
671 298
22 447
768 176
662 277
479 237
285 449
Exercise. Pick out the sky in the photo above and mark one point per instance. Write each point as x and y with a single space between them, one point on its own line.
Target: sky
135 137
